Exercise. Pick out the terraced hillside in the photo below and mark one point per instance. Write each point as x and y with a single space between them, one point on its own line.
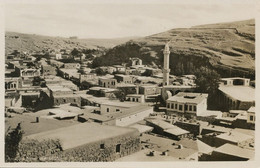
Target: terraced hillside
227 47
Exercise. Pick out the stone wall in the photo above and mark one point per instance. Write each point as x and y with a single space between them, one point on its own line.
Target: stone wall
51 150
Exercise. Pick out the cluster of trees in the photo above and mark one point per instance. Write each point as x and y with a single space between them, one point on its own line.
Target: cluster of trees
118 55
12 140
207 81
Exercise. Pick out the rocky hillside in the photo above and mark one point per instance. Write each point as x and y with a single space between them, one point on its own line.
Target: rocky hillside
31 42
228 48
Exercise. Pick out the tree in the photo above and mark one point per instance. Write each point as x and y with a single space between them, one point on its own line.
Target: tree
75 52
207 81
100 72
120 94
12 140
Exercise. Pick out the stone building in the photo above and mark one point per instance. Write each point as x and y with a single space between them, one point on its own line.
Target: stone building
88 142
111 106
124 79
11 84
107 82
135 98
187 104
24 71
235 94
63 95
124 117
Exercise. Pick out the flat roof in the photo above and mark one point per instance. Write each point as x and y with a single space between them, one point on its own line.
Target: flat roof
176 131
241 93
117 115
234 150
234 136
184 97
233 78
160 123
66 95
176 86
56 88
142 128
81 134
120 104
134 95
131 111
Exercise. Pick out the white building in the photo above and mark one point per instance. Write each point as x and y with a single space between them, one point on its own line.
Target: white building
187 104
133 115
135 98
111 107
251 115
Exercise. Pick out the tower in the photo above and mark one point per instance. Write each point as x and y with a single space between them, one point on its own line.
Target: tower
166 69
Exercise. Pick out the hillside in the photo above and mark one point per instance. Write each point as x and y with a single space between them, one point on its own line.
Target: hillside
31 42
228 48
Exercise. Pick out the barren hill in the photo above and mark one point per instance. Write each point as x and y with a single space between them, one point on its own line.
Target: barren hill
227 47
32 42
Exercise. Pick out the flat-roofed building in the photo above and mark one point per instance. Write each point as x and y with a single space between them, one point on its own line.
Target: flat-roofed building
119 68
122 118
167 129
72 66
187 104
235 138
63 95
11 84
87 142
251 115
229 152
135 98
107 82
127 79
235 94
112 106
24 71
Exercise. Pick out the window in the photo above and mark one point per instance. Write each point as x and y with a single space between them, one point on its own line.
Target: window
168 105
107 109
74 100
102 146
251 118
117 110
190 107
180 107
172 105
118 148
176 106
136 99
194 108
186 107
64 100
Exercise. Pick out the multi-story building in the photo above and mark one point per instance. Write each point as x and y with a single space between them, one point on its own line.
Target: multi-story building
187 104
107 82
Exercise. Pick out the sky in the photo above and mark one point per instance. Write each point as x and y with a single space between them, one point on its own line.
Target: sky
117 19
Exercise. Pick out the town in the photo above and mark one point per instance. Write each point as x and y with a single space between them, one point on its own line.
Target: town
128 112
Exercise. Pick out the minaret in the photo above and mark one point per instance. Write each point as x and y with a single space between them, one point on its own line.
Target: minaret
166 69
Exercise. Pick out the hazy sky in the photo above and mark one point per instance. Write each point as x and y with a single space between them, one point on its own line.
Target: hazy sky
117 19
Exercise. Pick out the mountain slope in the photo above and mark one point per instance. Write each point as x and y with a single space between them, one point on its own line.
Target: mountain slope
227 47
31 42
